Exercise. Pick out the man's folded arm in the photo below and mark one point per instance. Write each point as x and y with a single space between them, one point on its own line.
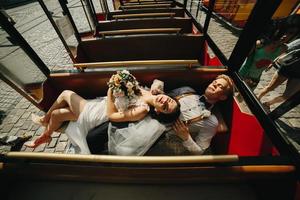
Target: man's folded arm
206 130
192 146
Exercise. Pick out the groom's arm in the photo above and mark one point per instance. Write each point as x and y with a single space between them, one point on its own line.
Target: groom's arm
206 130
182 131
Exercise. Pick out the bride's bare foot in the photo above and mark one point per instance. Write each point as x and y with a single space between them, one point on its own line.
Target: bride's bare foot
39 120
35 143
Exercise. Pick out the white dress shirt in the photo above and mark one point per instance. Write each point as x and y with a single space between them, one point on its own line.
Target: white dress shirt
201 131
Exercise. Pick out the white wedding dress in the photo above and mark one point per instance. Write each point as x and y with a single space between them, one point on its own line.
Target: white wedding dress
138 137
135 139
93 114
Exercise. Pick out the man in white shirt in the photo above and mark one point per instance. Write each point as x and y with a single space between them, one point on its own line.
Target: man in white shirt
196 125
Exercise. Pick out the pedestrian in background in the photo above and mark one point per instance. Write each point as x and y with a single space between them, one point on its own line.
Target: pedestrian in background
287 69
266 50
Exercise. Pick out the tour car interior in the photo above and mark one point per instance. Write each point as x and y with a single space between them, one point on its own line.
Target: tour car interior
162 40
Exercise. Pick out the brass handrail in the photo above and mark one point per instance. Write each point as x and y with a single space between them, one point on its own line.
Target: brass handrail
145 6
124 159
135 63
147 3
171 14
140 31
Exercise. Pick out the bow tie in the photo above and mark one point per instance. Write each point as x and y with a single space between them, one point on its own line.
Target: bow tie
203 100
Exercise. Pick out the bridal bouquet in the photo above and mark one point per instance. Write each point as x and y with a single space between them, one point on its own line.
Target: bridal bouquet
124 87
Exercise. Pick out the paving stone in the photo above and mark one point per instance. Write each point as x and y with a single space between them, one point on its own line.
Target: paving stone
53 143
23 100
23 148
3 134
286 121
40 131
295 123
32 133
40 112
20 123
60 147
13 111
20 112
5 105
13 131
292 114
40 148
25 105
15 118
55 134
19 105
49 150
7 127
27 125
35 127
20 132
63 138
4 149
8 120
26 115
28 149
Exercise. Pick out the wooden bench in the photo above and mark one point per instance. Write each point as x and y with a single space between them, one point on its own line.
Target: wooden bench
144 47
185 24
92 84
179 12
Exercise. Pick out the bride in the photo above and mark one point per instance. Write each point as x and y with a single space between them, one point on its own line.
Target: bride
126 101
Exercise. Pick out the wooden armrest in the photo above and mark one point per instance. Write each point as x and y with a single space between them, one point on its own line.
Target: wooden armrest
189 63
140 31
171 14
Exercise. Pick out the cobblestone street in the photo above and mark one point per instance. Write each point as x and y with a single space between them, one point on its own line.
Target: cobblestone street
15 111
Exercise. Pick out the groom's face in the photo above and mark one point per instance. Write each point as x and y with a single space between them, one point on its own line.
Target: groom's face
217 90
164 104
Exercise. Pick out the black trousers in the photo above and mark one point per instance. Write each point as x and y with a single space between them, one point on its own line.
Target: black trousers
98 137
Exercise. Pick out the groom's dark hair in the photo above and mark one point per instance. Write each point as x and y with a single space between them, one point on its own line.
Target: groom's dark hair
164 117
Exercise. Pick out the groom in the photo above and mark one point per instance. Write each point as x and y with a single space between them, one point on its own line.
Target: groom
195 126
